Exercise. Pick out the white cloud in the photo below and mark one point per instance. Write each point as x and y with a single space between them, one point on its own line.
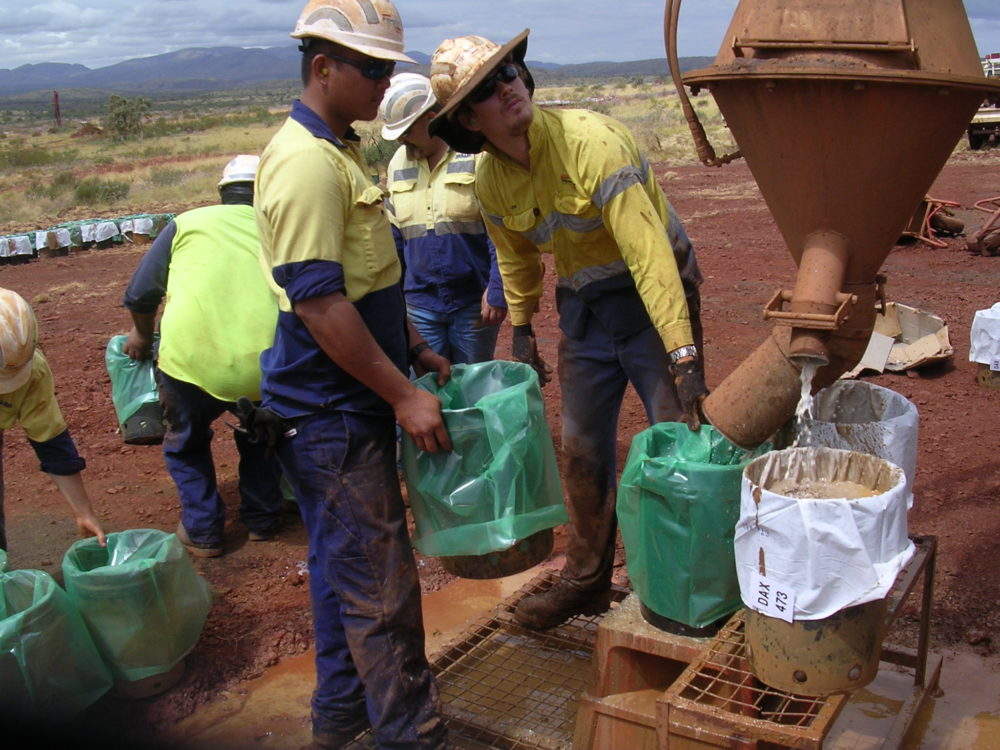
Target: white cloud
101 32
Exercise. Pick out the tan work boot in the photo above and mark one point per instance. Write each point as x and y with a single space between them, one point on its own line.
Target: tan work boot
198 550
559 603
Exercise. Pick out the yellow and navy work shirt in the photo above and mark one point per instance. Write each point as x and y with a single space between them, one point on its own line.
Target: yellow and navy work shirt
448 258
592 201
34 407
323 230
220 312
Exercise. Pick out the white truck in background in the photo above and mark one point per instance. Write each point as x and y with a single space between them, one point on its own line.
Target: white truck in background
984 130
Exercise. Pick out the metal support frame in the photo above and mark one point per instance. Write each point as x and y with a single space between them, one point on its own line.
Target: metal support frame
977 242
924 232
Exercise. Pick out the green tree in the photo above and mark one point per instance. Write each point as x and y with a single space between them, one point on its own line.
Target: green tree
124 118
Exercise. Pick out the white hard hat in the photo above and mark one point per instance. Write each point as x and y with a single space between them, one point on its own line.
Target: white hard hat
372 27
18 337
242 168
457 67
409 96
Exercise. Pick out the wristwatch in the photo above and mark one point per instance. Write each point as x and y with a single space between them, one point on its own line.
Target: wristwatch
418 349
682 352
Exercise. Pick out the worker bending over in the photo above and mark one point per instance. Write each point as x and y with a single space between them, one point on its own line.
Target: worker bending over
218 317
336 377
573 183
451 282
27 398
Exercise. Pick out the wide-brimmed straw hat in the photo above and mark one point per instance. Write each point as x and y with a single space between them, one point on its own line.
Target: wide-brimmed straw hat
457 67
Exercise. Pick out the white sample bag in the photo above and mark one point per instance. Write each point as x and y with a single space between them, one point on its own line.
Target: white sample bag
984 338
822 555
858 416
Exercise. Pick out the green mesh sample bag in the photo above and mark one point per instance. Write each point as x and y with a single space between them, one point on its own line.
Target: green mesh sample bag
3 561
141 598
132 382
678 504
49 666
500 484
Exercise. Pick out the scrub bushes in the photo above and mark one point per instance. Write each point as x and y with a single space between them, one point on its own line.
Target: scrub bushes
94 190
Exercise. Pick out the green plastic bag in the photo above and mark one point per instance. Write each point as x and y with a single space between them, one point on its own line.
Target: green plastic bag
3 561
141 598
500 484
132 382
678 504
49 666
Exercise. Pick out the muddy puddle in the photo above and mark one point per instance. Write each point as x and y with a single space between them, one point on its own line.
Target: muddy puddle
273 710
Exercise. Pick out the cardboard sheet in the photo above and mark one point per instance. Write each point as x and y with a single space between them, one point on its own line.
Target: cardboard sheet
905 338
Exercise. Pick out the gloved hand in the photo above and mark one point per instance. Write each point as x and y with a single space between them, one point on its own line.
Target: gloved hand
261 425
689 379
524 349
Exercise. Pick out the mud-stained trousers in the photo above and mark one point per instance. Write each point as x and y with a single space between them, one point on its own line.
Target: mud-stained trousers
187 451
363 579
593 373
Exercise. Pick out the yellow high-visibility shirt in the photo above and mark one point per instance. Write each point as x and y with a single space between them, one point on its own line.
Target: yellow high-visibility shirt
219 312
592 201
34 405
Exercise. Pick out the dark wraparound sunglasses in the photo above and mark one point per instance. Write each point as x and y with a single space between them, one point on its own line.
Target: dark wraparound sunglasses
373 69
503 74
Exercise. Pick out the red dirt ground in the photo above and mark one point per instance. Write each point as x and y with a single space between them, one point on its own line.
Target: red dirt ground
261 611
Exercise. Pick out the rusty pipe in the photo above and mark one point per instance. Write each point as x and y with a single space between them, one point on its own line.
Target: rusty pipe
817 291
759 396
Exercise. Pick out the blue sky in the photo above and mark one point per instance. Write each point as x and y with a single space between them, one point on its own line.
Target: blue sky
101 32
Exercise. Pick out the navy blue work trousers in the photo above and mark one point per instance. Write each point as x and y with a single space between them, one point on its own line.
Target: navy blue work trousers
594 371
187 450
363 580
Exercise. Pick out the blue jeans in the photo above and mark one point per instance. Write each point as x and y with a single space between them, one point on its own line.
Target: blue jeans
363 581
457 336
187 450
594 371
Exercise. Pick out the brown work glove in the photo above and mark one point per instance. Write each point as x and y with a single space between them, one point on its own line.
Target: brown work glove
524 349
689 379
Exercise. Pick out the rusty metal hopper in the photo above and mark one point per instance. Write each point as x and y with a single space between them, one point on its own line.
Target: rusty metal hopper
845 111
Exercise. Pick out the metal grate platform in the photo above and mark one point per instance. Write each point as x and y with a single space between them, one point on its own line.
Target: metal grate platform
504 686
720 682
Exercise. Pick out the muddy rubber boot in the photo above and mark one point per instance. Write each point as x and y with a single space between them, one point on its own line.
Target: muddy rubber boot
558 604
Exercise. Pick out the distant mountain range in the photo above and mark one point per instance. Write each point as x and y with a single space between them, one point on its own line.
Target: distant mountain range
220 68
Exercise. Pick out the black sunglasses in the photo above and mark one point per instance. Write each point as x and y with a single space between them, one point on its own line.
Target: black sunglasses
373 69
503 74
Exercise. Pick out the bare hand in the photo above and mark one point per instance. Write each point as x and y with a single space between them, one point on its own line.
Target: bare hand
430 361
137 346
489 315
89 526
420 415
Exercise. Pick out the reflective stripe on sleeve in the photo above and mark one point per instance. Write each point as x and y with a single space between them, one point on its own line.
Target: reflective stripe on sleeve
585 276
542 233
619 182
